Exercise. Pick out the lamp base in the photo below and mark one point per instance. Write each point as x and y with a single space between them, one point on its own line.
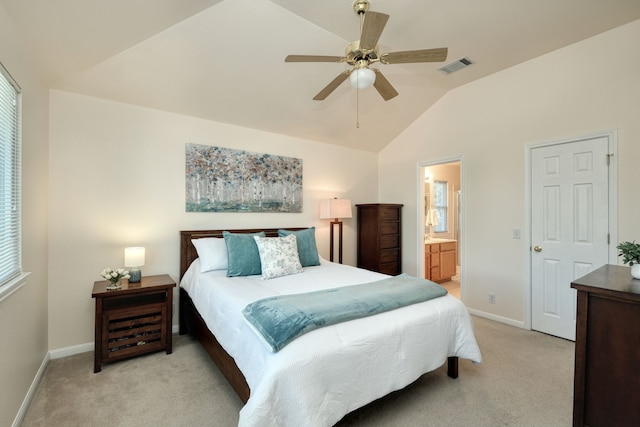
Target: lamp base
135 275
339 224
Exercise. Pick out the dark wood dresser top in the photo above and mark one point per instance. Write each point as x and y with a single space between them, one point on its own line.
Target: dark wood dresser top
611 280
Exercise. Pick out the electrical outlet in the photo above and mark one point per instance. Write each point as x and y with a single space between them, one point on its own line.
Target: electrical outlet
492 298
516 233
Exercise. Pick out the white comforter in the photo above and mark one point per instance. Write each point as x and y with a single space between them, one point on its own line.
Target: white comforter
327 373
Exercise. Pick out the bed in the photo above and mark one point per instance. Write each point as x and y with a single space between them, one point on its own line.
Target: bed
326 373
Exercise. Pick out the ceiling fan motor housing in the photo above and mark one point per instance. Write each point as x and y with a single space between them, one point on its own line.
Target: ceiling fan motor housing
360 6
354 54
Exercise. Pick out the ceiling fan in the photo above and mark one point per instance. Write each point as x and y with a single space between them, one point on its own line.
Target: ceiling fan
364 52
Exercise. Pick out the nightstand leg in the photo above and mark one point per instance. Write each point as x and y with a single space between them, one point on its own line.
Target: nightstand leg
97 351
169 324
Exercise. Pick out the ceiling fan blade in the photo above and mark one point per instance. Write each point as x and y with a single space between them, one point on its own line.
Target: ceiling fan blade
374 23
410 56
313 58
383 86
332 86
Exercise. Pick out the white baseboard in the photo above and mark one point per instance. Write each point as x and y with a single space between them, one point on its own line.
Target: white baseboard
30 393
70 351
83 348
501 319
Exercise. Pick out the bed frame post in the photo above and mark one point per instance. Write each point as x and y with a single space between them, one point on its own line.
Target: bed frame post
452 367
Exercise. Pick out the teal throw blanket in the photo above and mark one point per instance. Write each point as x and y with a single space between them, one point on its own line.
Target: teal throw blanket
283 318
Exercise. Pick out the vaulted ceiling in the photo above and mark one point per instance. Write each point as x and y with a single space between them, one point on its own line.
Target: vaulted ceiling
224 60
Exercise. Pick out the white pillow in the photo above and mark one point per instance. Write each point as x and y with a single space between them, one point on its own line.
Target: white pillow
212 252
278 256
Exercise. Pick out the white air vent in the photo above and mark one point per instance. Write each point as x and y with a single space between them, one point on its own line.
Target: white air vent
456 65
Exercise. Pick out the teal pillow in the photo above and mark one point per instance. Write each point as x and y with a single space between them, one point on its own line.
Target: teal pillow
307 249
242 251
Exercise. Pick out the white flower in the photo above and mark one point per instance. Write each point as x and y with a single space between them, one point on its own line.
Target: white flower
114 275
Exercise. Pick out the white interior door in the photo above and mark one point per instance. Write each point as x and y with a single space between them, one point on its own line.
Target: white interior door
569 227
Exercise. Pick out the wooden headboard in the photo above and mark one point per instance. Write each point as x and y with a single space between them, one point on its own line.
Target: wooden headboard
188 252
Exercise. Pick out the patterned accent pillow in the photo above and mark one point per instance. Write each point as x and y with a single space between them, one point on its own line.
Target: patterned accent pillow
278 256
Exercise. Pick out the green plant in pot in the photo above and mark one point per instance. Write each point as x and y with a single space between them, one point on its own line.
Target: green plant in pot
630 253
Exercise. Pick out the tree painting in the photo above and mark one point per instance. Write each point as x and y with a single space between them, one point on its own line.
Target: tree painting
225 180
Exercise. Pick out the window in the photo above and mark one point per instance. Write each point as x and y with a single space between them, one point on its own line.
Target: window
440 205
10 162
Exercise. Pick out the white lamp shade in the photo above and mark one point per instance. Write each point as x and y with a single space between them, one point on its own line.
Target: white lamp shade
134 256
335 208
362 78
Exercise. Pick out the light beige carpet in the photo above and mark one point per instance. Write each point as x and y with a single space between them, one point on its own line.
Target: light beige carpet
526 379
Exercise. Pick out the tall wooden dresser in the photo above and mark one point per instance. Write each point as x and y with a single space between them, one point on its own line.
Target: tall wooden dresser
607 377
379 237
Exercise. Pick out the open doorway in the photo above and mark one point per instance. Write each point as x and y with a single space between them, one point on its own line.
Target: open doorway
440 224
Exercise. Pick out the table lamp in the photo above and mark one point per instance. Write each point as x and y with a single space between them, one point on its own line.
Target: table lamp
133 259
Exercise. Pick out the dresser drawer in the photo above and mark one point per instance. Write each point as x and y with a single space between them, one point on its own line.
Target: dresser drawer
389 214
392 269
389 228
389 256
389 241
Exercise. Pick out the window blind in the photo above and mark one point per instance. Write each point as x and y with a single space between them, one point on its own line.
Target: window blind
10 173
440 200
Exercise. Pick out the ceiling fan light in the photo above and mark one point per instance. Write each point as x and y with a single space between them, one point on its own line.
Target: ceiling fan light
362 78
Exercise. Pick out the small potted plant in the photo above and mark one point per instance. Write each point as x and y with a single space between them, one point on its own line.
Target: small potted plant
630 253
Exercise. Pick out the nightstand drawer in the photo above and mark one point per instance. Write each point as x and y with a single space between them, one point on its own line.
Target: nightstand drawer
134 301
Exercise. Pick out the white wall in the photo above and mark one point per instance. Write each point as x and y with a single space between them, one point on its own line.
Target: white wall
23 315
117 179
581 89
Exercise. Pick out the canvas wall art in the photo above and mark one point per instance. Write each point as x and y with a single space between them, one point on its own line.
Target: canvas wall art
226 180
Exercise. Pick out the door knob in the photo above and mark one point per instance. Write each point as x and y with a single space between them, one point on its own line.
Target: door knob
538 248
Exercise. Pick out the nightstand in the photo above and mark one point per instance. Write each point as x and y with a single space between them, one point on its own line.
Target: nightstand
133 320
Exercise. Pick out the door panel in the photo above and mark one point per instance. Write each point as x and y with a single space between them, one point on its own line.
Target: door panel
569 227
